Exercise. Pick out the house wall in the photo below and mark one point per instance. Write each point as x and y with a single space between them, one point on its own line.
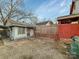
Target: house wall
15 34
76 10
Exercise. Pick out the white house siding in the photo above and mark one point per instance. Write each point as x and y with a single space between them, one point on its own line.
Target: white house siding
15 34
31 32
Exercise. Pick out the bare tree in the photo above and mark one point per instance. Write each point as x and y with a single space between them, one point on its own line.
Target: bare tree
32 17
11 9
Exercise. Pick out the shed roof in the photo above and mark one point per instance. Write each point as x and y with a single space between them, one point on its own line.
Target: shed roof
13 23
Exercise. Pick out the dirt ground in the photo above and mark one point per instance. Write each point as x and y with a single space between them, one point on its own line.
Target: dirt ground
30 49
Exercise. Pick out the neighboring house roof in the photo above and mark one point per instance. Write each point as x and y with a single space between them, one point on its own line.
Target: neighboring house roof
68 17
44 23
12 23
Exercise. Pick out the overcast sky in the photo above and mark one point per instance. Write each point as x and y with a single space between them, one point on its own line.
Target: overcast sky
48 8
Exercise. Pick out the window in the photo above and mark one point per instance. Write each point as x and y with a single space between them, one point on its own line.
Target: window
21 30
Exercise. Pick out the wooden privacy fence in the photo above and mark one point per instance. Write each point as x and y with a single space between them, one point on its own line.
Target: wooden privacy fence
58 31
68 30
47 31
52 36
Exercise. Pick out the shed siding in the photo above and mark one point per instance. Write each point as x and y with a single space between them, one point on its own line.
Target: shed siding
31 32
15 34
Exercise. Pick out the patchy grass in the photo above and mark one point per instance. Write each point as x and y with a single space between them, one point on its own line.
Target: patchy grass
63 48
31 49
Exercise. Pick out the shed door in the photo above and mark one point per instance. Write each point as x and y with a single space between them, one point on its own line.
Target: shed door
28 32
